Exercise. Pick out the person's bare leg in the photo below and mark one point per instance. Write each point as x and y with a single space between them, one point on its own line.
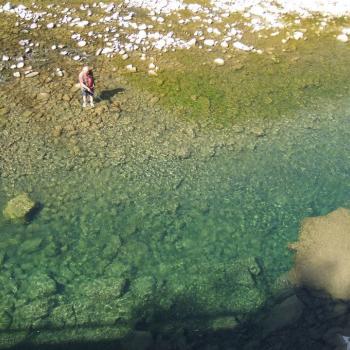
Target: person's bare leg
84 101
92 101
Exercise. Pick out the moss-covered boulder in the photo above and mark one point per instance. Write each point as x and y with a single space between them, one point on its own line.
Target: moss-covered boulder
19 207
31 315
39 285
322 254
211 289
99 301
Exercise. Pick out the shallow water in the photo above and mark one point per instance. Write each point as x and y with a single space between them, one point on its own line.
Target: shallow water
173 240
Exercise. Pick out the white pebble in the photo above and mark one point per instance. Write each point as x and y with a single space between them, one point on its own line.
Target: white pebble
5 58
343 37
209 42
81 43
107 50
219 61
17 74
131 68
50 25
152 72
298 35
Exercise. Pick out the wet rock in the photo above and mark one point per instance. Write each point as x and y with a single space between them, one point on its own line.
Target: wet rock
43 96
30 315
57 131
258 132
322 254
153 101
283 315
143 287
224 323
39 285
29 246
183 153
103 289
63 315
27 114
19 207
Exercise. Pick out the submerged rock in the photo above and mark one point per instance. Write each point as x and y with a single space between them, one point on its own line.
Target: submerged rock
39 285
322 254
283 315
19 207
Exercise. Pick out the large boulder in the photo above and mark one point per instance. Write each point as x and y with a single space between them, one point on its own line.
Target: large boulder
19 207
322 259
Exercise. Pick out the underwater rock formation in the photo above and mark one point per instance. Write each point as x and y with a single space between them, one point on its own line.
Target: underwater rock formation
322 254
19 207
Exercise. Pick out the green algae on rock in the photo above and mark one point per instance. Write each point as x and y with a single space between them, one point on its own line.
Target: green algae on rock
19 207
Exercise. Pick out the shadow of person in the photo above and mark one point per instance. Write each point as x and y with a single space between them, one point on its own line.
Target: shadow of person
108 94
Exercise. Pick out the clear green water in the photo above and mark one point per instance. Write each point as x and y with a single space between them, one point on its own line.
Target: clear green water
169 239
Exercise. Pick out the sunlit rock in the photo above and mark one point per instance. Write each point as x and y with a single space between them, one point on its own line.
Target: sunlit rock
31 74
298 35
343 37
19 207
81 43
240 46
209 42
131 68
322 254
219 61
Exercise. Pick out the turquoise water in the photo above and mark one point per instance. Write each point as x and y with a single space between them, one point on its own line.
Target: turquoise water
165 239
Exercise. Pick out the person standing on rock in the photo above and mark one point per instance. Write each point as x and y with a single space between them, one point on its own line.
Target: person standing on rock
87 84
